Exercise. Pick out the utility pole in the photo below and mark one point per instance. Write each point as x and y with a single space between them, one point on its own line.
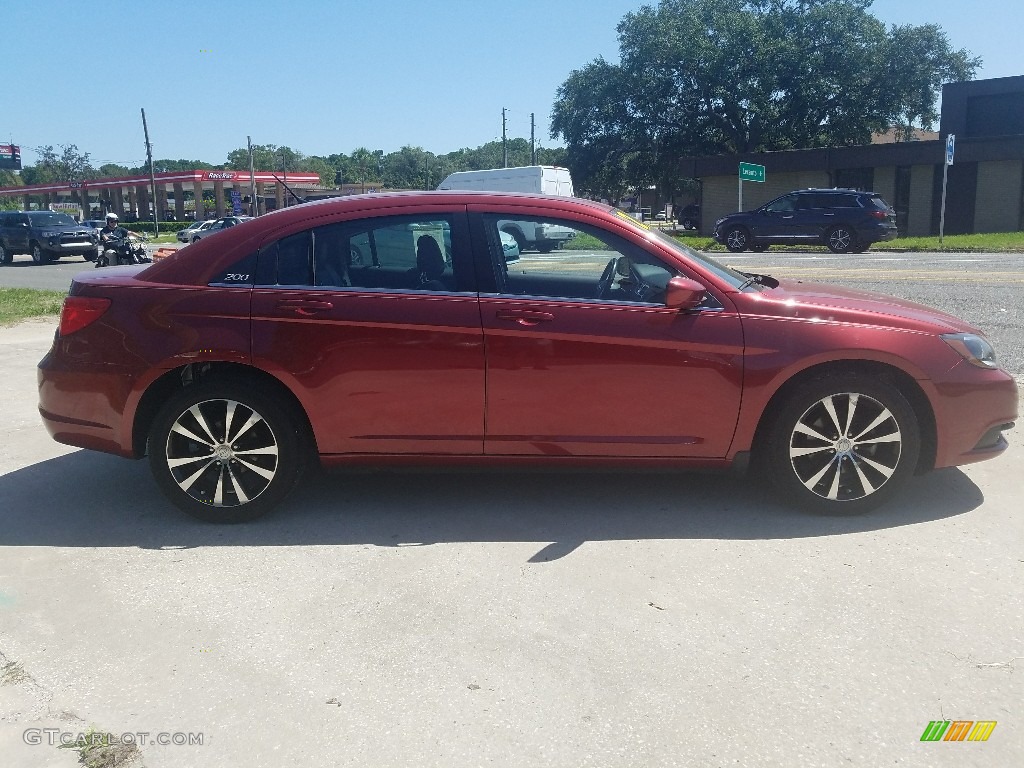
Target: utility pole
254 206
152 176
533 146
504 141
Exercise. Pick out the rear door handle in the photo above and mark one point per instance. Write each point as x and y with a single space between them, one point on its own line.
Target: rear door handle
305 307
525 316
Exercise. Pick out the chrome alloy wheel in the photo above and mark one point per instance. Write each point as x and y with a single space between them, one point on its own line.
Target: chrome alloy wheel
845 447
736 240
840 240
222 453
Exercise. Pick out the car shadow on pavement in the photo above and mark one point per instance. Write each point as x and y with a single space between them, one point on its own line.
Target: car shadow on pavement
89 499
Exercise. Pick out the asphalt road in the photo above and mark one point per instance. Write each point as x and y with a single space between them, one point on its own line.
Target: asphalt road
502 619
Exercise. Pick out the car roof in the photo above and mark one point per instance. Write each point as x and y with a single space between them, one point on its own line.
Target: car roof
835 190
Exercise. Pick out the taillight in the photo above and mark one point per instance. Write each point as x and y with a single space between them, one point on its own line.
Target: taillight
879 214
80 311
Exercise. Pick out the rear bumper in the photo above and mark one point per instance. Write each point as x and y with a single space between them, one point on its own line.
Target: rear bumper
94 417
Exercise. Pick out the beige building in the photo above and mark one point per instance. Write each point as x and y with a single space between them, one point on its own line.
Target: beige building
985 186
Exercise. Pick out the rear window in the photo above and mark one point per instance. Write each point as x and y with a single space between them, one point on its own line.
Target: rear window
878 203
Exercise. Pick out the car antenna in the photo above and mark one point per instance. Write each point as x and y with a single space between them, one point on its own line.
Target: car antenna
290 190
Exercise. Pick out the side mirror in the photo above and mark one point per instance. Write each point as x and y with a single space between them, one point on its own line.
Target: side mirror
682 293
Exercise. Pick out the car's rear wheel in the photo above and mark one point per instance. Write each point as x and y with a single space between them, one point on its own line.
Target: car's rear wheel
843 444
6 257
737 239
689 224
841 240
225 451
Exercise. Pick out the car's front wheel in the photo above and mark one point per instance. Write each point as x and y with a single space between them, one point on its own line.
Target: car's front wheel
737 239
38 254
843 444
225 451
841 240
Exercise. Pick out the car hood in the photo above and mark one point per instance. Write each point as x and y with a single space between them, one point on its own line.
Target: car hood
831 303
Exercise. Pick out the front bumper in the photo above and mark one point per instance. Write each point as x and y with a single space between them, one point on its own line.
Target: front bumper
972 409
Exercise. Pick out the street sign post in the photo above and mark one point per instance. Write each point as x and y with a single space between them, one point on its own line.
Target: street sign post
950 145
749 172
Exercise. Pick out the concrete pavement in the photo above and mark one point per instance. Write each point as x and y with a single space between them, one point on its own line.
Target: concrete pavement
501 618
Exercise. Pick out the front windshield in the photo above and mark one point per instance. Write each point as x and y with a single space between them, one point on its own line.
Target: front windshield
728 274
51 219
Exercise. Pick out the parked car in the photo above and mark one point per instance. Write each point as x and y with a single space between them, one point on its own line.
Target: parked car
689 216
218 225
185 235
845 220
46 235
392 328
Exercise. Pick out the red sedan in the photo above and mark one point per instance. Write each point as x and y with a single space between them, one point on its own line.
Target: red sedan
398 328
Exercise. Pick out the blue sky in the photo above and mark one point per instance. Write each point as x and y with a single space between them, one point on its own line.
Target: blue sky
324 77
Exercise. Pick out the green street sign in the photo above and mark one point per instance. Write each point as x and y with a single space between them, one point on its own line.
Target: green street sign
751 172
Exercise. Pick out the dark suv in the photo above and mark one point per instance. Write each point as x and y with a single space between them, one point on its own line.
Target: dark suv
843 219
46 235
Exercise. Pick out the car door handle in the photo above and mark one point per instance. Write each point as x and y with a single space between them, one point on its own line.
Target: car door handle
830 214
525 317
305 307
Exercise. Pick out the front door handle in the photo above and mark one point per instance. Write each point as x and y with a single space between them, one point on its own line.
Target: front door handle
525 316
305 307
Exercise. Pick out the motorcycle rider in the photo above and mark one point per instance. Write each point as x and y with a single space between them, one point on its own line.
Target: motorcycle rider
111 237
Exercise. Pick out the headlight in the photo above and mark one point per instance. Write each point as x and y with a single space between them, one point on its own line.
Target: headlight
972 348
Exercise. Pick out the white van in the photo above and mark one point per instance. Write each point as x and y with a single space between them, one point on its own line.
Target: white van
536 179
542 179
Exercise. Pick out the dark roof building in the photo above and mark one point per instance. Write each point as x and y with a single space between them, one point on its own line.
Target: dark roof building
985 186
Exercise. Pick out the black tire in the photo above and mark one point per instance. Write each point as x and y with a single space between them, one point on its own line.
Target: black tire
210 480
6 256
822 455
196 239
688 224
545 246
39 256
841 239
737 239
89 256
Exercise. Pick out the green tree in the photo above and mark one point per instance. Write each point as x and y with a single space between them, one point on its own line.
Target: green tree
731 76
69 165
112 170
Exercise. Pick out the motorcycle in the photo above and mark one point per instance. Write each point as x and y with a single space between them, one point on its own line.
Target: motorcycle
123 251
